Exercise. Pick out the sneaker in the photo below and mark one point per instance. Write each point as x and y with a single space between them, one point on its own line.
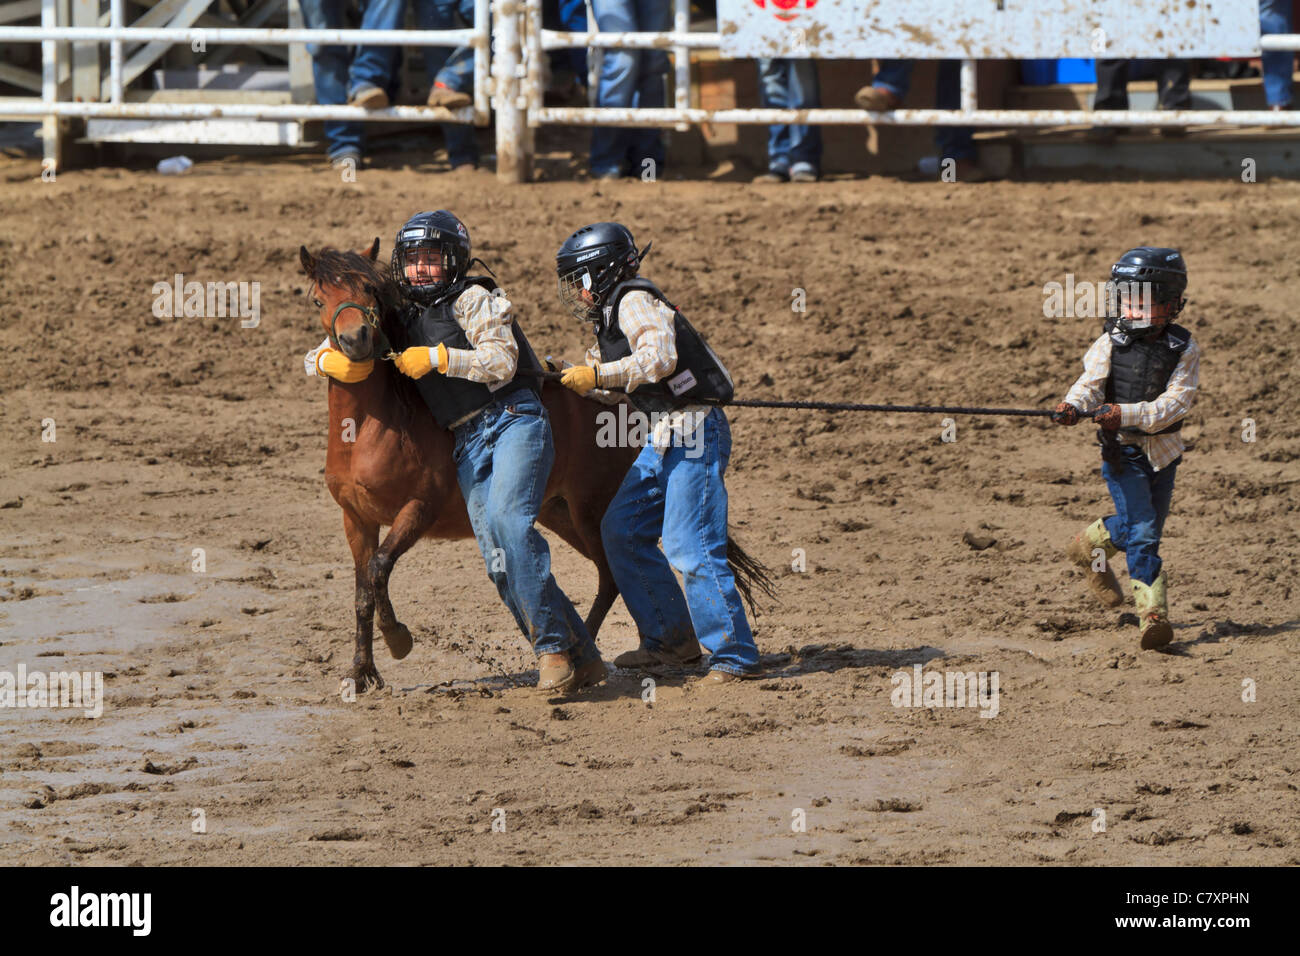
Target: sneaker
369 97
877 99
444 96
803 173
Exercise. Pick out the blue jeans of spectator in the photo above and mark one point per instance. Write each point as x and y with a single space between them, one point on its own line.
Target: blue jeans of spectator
1141 496
1275 17
503 460
953 142
453 68
630 78
679 496
571 16
339 71
790 84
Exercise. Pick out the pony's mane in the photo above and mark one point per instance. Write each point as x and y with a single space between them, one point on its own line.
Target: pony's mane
364 276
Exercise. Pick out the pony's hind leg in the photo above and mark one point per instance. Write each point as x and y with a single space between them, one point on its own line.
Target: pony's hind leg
587 530
362 539
409 525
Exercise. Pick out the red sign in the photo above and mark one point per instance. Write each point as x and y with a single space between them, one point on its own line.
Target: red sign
787 10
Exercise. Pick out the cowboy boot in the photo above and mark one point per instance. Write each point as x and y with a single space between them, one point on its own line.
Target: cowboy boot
555 673
1101 583
1153 612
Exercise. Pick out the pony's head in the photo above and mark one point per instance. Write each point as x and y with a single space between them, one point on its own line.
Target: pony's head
355 296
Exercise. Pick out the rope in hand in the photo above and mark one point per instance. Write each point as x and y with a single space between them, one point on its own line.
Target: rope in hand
847 406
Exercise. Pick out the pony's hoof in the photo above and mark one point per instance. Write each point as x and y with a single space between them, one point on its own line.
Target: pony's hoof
364 679
398 639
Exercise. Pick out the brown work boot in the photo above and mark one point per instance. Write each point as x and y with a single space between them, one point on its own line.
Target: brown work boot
1081 552
370 98
448 98
877 99
681 655
590 674
1152 602
716 677
555 673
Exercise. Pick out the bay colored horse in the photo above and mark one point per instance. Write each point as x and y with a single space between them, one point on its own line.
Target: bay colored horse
390 464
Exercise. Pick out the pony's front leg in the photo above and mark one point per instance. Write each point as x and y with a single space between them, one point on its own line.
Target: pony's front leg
408 527
362 539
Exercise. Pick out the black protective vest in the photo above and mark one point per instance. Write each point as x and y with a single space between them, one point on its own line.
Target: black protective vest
1140 367
451 399
698 376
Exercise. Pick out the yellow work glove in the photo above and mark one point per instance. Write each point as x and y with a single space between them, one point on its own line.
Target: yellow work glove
339 367
418 362
581 378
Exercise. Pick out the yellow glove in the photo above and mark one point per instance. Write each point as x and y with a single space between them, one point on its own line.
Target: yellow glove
581 378
339 367
417 362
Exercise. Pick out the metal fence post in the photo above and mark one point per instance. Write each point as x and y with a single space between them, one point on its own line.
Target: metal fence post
513 161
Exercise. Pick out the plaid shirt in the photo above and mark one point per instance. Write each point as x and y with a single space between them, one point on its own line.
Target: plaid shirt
485 317
1169 407
648 325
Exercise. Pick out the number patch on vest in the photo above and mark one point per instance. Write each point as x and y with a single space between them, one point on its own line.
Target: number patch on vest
680 384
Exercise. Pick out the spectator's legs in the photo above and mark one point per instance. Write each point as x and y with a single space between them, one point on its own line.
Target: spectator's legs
573 18
805 94
375 65
652 16
895 76
953 142
1112 85
452 68
1173 85
619 77
1275 17
329 67
773 93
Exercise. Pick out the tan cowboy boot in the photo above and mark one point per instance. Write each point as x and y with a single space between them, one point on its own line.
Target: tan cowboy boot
589 674
555 673
1101 583
1153 612
716 678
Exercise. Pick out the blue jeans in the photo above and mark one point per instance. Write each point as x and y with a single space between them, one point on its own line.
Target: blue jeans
630 78
571 16
1275 17
680 496
790 84
453 68
339 71
953 142
503 460
1141 497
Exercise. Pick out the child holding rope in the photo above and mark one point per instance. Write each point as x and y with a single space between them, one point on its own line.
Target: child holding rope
1140 377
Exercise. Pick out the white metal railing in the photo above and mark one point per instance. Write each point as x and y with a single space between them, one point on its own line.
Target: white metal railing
49 107
509 77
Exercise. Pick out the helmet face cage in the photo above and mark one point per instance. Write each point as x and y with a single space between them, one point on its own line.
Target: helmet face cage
584 286
427 289
577 296
1145 300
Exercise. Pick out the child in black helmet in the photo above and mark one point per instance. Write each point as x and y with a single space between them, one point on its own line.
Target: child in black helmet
1139 380
674 490
504 449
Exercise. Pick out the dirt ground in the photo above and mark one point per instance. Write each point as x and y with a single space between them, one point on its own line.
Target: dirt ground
222 686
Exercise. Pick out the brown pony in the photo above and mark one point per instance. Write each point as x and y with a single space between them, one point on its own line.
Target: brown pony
397 469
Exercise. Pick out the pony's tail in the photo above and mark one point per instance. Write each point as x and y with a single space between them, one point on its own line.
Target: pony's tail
750 574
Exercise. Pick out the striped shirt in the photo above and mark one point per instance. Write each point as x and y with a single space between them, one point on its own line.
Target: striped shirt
1169 407
493 353
648 325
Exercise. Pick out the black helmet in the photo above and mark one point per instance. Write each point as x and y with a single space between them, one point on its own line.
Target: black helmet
1155 275
591 262
431 231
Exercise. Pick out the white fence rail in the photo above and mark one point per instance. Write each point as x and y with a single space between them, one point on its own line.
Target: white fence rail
509 77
